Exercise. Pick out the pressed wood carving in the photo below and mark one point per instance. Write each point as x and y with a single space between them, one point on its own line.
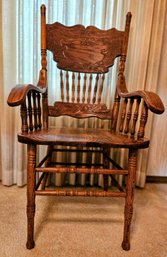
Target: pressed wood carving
80 110
83 55
83 49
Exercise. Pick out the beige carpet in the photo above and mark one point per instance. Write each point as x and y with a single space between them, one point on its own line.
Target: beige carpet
84 227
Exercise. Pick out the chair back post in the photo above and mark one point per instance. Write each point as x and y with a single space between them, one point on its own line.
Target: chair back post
115 111
43 73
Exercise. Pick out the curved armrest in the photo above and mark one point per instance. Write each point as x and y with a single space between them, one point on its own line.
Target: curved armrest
19 92
151 99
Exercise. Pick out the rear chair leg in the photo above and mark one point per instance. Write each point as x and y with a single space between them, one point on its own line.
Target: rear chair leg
106 151
129 198
47 163
31 162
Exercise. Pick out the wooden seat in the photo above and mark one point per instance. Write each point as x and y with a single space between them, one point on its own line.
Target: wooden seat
84 57
86 137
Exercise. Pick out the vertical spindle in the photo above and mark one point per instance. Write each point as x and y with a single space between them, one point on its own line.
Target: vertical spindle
84 88
24 127
128 117
101 89
78 88
45 109
39 110
67 87
135 116
89 88
62 85
115 112
95 89
143 120
30 112
73 87
35 111
123 114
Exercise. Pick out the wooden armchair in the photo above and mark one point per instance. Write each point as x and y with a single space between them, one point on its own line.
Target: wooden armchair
84 56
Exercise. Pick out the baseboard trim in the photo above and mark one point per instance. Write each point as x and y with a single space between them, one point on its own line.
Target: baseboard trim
156 179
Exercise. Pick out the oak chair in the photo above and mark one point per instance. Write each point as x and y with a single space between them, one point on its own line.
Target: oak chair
85 53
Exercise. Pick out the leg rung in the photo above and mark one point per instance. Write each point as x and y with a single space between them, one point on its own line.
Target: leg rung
61 192
81 170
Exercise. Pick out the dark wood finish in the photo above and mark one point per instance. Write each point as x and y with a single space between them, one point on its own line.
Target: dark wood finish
115 112
101 89
84 89
106 163
31 163
123 114
18 94
86 137
128 212
30 111
61 192
95 89
79 110
38 110
128 117
135 116
143 121
151 99
81 170
23 110
156 179
47 164
83 55
83 49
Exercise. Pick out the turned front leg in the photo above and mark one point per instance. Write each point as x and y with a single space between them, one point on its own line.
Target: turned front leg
31 162
129 198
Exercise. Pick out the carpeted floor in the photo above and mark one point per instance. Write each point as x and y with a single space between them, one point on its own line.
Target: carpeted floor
84 227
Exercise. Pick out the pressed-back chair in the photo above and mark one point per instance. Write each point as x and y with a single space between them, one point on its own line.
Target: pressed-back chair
86 53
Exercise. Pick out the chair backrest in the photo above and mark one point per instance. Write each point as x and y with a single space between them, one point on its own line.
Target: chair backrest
83 56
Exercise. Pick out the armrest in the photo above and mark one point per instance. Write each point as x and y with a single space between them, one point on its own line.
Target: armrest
151 99
19 92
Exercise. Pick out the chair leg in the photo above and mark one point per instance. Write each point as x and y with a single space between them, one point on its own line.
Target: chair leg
128 212
106 151
47 163
31 162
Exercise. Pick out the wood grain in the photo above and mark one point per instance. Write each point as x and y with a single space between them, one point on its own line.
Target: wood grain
83 49
92 193
80 110
31 163
151 99
87 52
84 137
18 94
